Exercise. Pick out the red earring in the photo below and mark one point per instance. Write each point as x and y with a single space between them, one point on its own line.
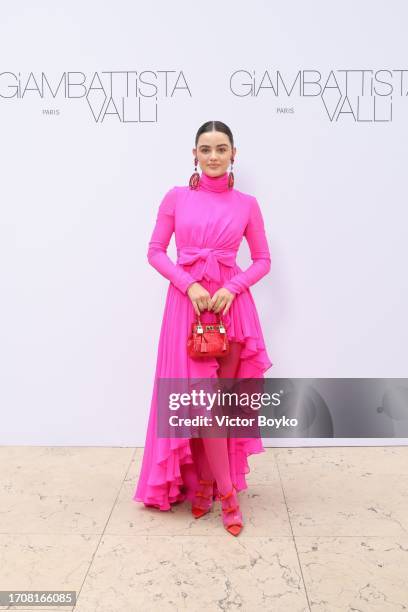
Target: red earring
231 176
195 177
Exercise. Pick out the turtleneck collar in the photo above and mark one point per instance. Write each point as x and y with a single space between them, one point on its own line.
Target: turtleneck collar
214 183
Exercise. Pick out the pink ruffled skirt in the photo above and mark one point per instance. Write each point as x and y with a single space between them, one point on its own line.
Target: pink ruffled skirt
169 472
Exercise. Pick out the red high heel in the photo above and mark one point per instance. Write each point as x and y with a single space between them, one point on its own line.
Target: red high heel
204 497
231 514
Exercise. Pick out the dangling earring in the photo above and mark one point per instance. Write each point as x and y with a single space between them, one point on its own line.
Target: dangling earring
195 177
231 176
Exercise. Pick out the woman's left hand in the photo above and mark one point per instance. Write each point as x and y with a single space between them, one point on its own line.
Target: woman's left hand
222 298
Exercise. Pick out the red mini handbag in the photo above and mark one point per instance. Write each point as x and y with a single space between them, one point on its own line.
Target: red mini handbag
208 340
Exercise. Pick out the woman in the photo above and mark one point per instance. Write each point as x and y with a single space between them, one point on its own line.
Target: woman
209 218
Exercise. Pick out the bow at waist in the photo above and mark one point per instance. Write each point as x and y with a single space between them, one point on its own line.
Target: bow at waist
211 260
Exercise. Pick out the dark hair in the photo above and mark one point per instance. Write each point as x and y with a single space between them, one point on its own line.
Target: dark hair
215 126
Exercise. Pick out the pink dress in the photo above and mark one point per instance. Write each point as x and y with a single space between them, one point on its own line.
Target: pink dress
209 225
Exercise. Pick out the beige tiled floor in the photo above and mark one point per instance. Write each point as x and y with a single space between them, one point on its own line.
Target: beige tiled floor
326 529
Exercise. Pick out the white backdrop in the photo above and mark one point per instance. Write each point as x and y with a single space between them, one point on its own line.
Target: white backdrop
82 179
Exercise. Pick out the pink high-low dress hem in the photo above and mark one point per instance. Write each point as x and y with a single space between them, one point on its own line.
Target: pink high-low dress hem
209 224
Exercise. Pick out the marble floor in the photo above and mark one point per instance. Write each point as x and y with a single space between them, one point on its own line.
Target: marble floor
326 529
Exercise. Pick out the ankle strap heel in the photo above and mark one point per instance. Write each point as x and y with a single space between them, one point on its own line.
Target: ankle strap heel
203 499
231 513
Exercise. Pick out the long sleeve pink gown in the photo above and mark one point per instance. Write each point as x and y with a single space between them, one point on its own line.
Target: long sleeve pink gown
209 225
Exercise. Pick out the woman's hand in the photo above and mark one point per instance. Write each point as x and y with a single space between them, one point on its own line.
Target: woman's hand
199 297
222 298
